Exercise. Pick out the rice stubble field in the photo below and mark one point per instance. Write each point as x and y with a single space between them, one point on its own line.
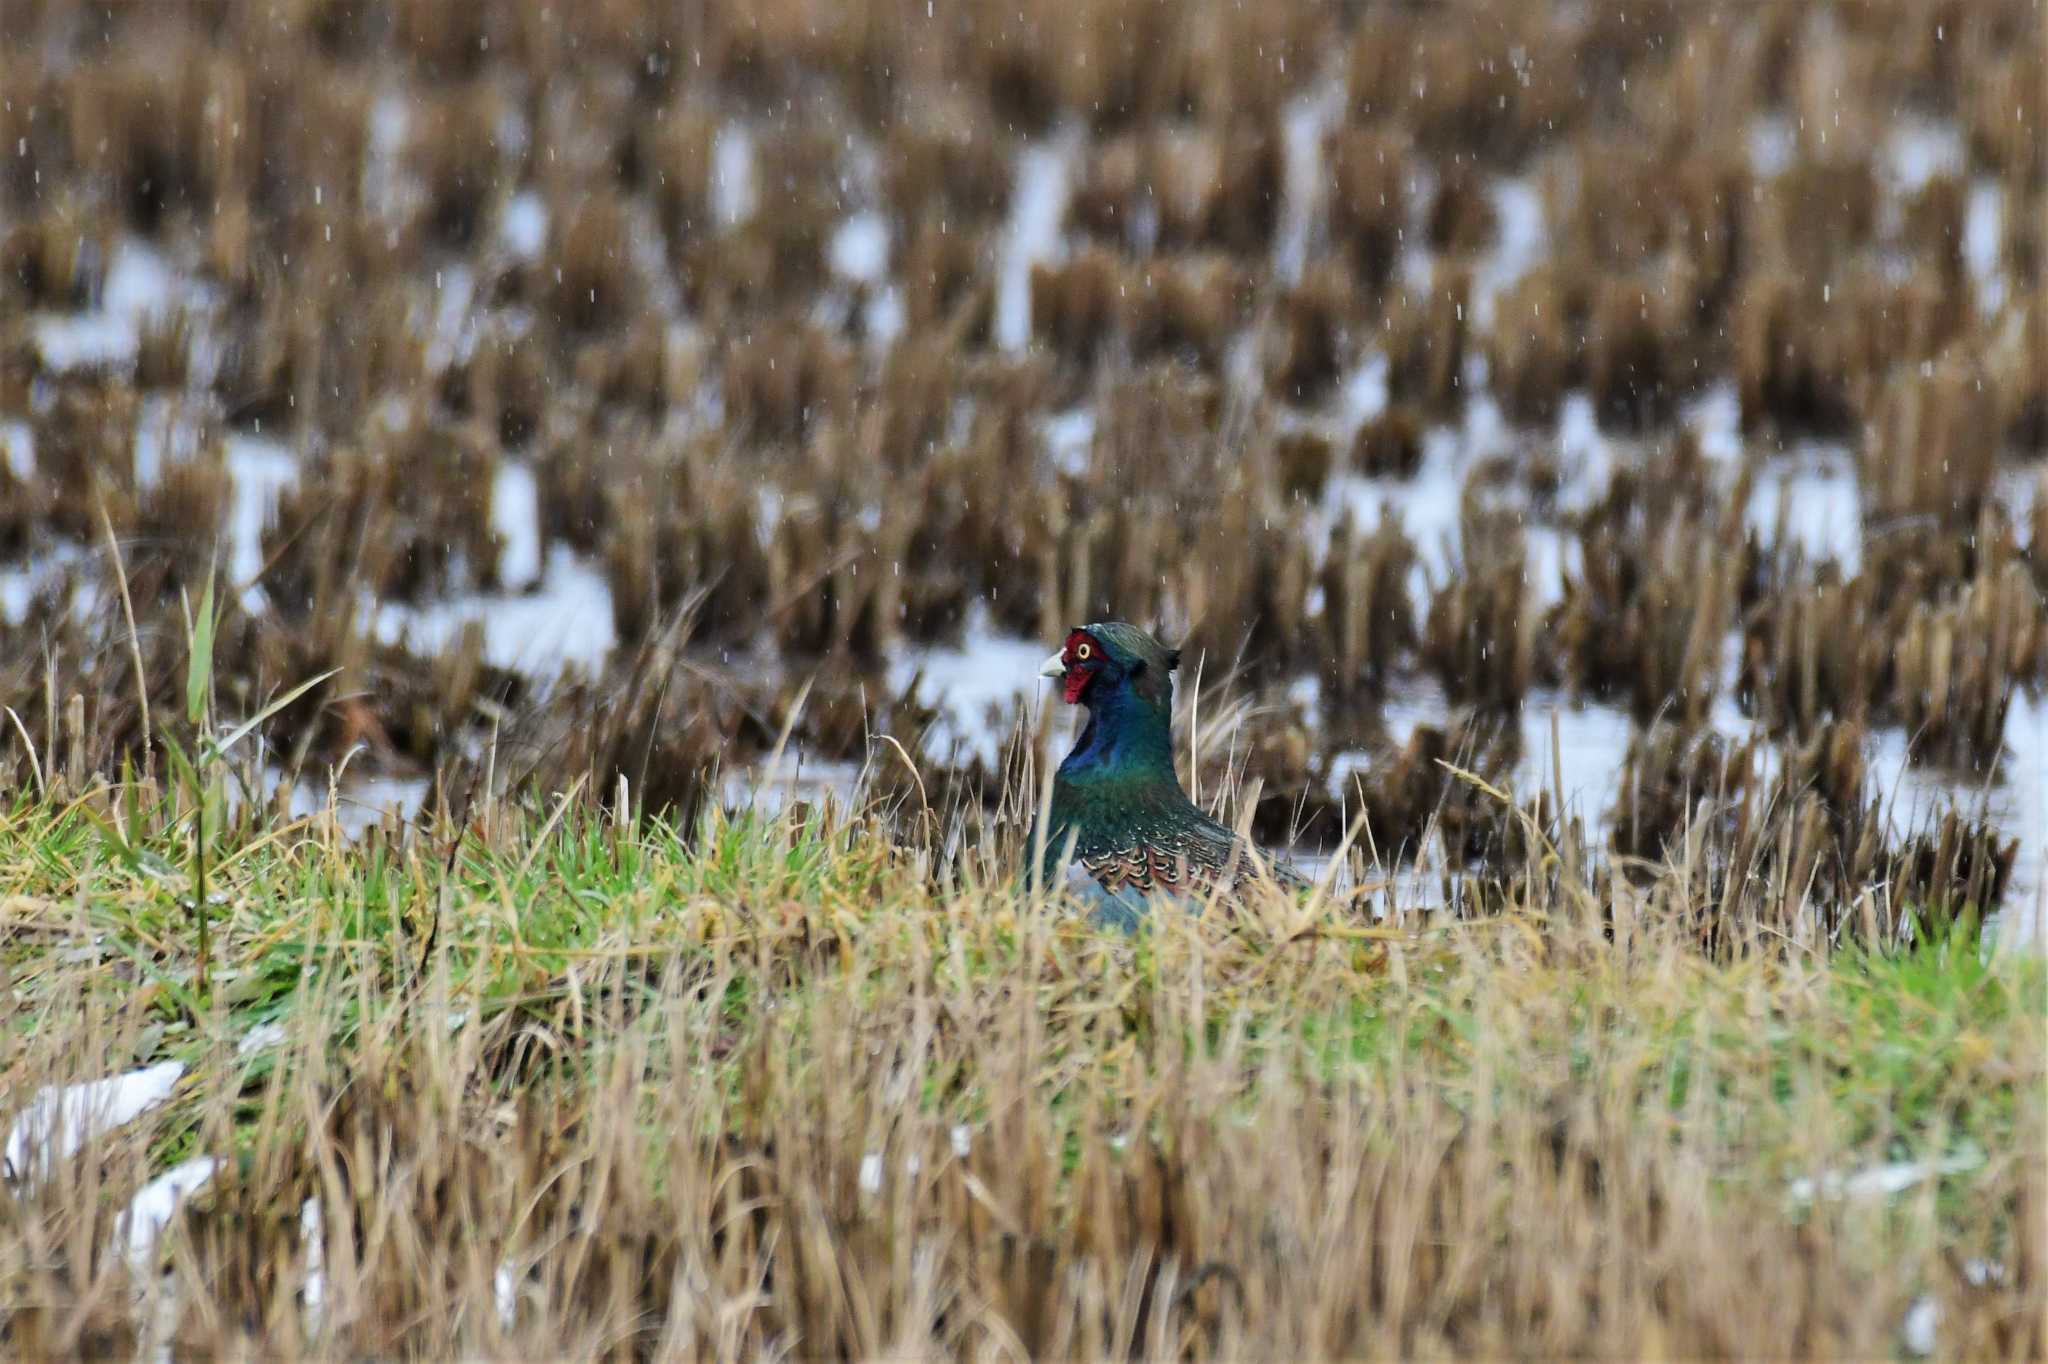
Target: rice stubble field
525 537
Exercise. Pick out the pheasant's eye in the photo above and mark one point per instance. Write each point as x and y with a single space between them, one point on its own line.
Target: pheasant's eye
1082 652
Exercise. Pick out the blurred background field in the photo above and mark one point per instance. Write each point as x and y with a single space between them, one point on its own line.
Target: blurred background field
1603 445
1633 401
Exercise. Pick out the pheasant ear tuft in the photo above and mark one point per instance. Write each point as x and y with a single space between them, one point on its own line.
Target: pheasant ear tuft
1172 659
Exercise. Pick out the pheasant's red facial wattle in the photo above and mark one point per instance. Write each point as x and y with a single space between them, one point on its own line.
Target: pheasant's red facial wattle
1083 656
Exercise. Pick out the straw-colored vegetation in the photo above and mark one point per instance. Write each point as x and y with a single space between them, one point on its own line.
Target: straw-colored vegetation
571 1084
582 1060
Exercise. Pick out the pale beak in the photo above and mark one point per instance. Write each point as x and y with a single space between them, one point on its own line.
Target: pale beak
1056 666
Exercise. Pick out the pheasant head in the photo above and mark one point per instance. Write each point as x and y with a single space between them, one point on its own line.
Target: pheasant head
1099 663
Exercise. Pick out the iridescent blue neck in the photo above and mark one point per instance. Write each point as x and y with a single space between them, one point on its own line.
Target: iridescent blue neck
1127 737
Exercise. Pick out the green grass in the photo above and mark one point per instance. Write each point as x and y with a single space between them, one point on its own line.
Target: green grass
762 983
1911 1047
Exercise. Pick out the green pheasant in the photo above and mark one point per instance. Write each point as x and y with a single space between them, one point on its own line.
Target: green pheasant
1117 806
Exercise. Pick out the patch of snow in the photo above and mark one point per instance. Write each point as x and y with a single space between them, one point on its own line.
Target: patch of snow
515 516
81 340
1069 438
17 589
1984 240
567 620
768 787
1916 150
1772 144
261 471
1037 212
524 228
1592 743
1428 501
1304 123
970 684
2025 791
505 1293
1552 554
1426 504
2014 798
140 284
18 448
1520 244
2018 488
358 804
152 1208
1816 493
453 331
162 433
871 1173
767 513
732 174
1415 269
1345 765
383 153
1880 1181
1586 455
859 249
18 586
1715 419
1411 707
1918 1331
59 1121
1306 692
1364 394
1244 375
313 1245
884 318
262 1037
1485 429
513 134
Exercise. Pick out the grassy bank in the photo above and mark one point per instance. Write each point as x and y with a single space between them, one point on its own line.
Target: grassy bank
571 1084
